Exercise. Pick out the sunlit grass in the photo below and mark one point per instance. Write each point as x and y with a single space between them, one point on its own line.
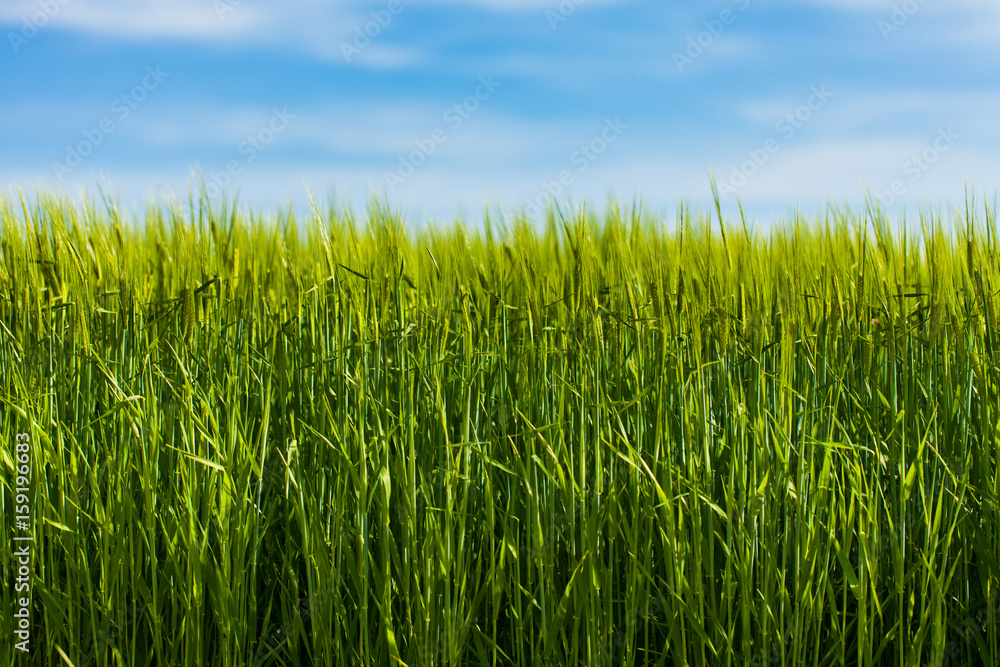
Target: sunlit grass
596 442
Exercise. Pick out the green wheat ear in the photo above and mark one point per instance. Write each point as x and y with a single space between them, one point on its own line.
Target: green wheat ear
187 311
82 327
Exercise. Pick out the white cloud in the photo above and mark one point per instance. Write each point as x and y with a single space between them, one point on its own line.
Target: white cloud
809 174
897 113
836 169
958 22
313 26
136 19
316 22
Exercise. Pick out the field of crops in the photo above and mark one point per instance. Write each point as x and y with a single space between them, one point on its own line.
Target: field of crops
256 440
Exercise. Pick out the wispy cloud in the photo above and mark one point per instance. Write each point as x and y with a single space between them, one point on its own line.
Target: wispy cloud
139 19
355 116
319 23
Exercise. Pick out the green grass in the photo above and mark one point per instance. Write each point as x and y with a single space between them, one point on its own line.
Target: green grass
259 440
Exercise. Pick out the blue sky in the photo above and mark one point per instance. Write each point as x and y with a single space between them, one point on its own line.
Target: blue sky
446 106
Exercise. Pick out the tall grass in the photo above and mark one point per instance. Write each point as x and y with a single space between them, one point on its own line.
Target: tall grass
598 442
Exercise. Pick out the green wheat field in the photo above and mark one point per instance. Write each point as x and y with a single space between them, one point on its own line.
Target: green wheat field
334 440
